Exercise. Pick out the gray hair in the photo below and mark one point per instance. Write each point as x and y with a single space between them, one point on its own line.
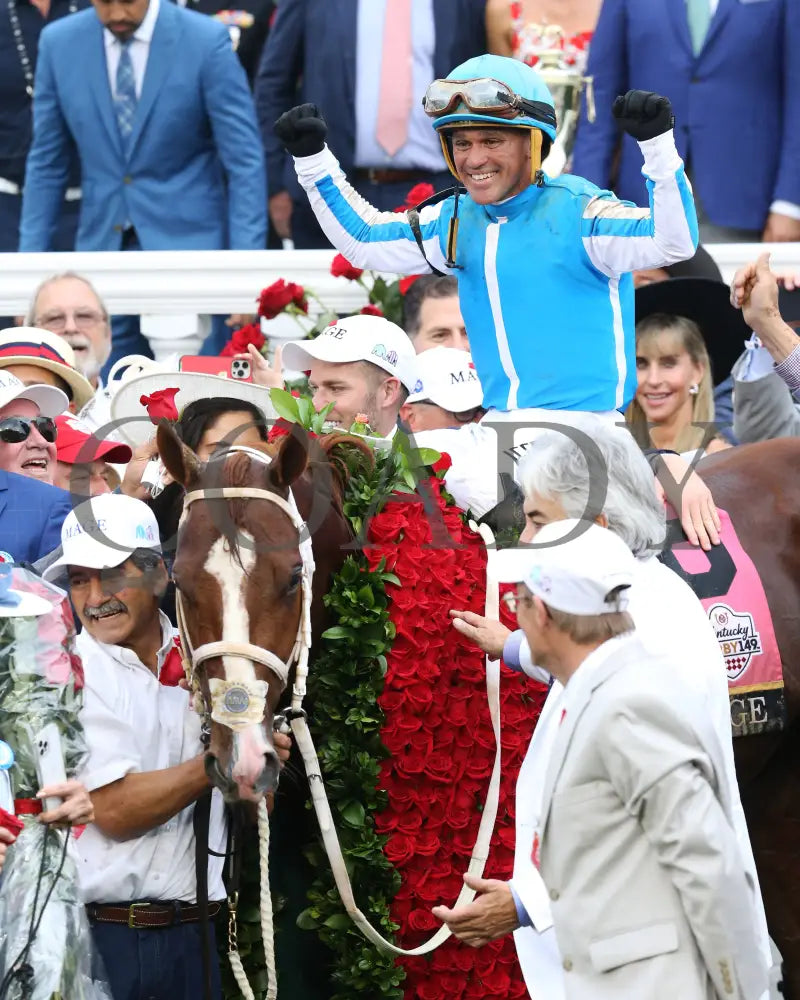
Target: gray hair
594 469
30 316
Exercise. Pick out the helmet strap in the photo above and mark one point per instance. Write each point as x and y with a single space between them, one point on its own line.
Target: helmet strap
536 154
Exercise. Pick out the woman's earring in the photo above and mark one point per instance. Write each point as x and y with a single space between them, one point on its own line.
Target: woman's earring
694 389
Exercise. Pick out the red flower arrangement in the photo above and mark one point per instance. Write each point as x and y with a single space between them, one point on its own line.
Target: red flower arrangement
438 733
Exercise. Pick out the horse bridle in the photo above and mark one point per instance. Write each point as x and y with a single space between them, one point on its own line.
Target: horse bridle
194 658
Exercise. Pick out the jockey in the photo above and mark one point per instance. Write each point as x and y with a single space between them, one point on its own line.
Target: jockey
542 263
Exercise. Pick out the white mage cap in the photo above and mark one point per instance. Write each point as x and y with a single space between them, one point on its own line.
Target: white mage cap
358 338
447 377
573 566
102 533
51 401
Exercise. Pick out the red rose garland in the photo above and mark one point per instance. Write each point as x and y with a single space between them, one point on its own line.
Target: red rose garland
441 746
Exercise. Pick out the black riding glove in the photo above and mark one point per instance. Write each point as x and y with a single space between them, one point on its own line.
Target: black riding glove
643 115
302 130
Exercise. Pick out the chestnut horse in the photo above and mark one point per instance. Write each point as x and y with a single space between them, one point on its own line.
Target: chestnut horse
759 486
240 585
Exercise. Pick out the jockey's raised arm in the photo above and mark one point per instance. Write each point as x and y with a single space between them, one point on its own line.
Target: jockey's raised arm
542 262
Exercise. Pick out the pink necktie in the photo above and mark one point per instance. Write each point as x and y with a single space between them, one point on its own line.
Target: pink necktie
395 94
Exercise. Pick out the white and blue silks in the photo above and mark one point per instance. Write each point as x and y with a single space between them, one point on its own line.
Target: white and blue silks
543 278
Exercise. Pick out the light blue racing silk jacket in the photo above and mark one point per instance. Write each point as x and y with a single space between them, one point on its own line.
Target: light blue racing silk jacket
543 278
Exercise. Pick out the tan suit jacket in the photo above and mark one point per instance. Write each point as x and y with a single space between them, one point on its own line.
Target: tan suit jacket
650 898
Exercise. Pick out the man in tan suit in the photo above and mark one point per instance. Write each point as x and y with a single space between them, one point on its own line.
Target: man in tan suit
650 899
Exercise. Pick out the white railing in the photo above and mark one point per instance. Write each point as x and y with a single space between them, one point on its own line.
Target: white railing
170 289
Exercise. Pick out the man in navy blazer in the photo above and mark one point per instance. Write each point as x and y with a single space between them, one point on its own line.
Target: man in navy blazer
734 82
31 515
314 48
158 107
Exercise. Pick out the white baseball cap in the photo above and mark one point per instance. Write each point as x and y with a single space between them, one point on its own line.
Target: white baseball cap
358 338
447 377
51 401
102 533
574 566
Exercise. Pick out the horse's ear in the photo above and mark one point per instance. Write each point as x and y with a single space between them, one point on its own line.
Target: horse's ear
290 462
179 459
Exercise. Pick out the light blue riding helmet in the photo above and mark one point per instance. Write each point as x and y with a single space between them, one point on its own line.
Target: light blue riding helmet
521 79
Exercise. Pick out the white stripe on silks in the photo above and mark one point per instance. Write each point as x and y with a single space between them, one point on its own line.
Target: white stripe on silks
619 341
493 288
232 579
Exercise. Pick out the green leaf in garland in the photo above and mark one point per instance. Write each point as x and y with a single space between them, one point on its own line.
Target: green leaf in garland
338 922
285 404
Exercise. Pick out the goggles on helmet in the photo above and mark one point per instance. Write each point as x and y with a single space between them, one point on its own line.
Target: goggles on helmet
483 96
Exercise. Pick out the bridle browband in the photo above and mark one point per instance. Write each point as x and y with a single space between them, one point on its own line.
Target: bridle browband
194 658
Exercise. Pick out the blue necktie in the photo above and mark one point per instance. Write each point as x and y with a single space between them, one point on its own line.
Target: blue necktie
125 99
699 15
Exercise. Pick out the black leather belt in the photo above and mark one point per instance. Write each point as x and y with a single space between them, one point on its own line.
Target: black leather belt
143 915
385 175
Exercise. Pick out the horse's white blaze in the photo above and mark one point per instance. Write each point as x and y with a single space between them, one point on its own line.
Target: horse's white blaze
232 579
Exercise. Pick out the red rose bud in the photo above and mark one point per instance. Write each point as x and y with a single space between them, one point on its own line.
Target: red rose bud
280 294
371 310
406 283
342 268
418 193
443 463
160 405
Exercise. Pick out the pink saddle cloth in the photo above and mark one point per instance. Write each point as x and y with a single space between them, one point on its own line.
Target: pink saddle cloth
728 585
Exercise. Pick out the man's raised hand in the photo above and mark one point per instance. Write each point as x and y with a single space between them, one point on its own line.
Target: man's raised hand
302 130
643 114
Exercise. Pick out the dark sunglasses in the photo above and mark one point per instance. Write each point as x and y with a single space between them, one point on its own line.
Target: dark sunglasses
14 430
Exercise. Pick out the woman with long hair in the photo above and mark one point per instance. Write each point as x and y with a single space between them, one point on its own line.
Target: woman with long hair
674 402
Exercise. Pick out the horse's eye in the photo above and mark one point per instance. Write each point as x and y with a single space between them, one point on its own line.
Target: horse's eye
295 579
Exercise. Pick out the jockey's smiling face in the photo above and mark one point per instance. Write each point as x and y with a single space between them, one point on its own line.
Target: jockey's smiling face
492 163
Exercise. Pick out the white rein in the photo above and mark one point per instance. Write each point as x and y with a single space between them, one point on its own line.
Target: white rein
300 652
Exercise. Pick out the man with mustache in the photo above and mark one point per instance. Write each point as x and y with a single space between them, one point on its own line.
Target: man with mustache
145 765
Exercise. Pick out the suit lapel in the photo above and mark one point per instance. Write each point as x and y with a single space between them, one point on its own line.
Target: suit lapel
721 15
680 22
615 658
97 80
160 60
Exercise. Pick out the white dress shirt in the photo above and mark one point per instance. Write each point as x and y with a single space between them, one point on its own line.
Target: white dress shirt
140 49
133 723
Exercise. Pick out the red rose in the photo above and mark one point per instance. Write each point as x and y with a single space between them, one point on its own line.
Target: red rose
371 310
280 294
443 464
406 283
342 268
399 849
245 335
423 920
160 405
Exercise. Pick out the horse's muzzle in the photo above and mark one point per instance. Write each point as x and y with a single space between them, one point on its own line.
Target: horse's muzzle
252 770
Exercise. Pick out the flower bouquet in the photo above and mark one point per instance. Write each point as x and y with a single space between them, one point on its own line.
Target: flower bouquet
45 942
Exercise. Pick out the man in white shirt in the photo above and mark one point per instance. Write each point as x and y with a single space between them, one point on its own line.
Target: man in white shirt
145 766
557 481
364 365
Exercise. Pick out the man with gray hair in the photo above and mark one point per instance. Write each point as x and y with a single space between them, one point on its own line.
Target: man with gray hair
67 304
595 473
